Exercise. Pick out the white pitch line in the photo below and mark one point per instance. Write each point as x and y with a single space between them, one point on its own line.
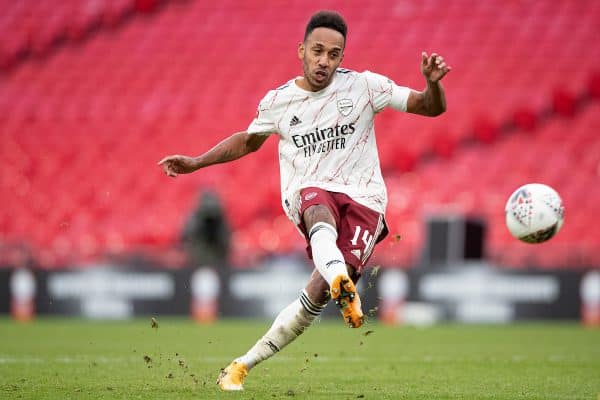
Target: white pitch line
79 359
23 360
65 360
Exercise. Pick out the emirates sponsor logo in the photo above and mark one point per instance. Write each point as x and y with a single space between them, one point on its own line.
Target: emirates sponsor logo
324 140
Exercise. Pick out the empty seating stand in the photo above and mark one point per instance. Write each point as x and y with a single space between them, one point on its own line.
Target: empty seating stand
83 127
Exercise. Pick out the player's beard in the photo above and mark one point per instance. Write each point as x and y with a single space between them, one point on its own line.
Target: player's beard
309 76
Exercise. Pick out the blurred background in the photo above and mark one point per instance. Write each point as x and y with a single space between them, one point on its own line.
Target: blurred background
94 92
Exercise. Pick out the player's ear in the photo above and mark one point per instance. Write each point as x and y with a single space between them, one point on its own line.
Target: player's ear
301 50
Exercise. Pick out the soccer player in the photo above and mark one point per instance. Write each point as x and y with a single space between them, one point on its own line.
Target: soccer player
331 183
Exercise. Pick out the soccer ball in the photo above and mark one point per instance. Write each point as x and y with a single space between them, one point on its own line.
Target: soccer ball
534 213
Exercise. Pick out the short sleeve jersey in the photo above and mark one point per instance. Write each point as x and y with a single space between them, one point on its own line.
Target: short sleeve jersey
327 138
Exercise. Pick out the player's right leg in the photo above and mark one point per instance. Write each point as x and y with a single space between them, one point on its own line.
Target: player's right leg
320 225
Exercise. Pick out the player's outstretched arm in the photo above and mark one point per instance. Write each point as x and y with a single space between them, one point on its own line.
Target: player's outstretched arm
235 146
432 101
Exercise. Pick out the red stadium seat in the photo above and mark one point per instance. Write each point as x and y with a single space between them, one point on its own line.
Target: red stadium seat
594 85
525 119
485 130
563 102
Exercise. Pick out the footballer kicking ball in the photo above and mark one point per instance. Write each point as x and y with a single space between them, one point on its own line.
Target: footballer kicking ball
534 213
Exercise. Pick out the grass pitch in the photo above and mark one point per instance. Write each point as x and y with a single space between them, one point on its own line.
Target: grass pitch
61 358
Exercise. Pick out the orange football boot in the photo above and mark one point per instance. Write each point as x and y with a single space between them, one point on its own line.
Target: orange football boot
232 376
343 292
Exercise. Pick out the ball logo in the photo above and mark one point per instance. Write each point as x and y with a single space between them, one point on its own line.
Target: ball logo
534 213
310 196
521 206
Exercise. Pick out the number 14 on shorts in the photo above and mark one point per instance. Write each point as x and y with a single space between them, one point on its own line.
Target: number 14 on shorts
366 236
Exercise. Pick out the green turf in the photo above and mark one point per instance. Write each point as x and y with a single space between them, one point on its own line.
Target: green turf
76 359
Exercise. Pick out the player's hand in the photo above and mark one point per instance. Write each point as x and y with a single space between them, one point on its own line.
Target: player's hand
433 67
176 164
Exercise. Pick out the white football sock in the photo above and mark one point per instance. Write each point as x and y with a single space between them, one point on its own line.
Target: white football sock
326 255
289 324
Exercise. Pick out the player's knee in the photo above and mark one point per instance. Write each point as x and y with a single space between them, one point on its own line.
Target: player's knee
317 213
317 291
322 231
320 298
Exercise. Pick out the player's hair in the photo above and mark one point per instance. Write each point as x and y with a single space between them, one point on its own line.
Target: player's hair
326 19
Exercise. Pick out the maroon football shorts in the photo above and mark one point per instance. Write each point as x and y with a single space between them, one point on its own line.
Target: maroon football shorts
359 228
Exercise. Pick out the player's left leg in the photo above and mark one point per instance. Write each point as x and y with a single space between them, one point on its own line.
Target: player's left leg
288 325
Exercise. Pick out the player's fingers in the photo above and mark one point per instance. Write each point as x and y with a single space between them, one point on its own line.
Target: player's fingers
425 62
164 160
168 166
170 172
424 58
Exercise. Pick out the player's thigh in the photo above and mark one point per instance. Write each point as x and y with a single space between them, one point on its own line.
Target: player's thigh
318 205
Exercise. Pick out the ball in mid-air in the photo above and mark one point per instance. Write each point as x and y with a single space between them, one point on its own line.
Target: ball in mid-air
534 213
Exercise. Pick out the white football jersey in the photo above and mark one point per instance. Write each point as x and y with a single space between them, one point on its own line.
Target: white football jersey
327 138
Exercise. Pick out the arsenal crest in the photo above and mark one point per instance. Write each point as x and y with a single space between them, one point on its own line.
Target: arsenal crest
345 106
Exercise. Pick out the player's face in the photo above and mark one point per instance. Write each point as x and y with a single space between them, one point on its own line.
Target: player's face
321 53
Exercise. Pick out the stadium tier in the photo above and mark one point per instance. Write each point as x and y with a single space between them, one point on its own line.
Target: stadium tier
82 128
33 29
